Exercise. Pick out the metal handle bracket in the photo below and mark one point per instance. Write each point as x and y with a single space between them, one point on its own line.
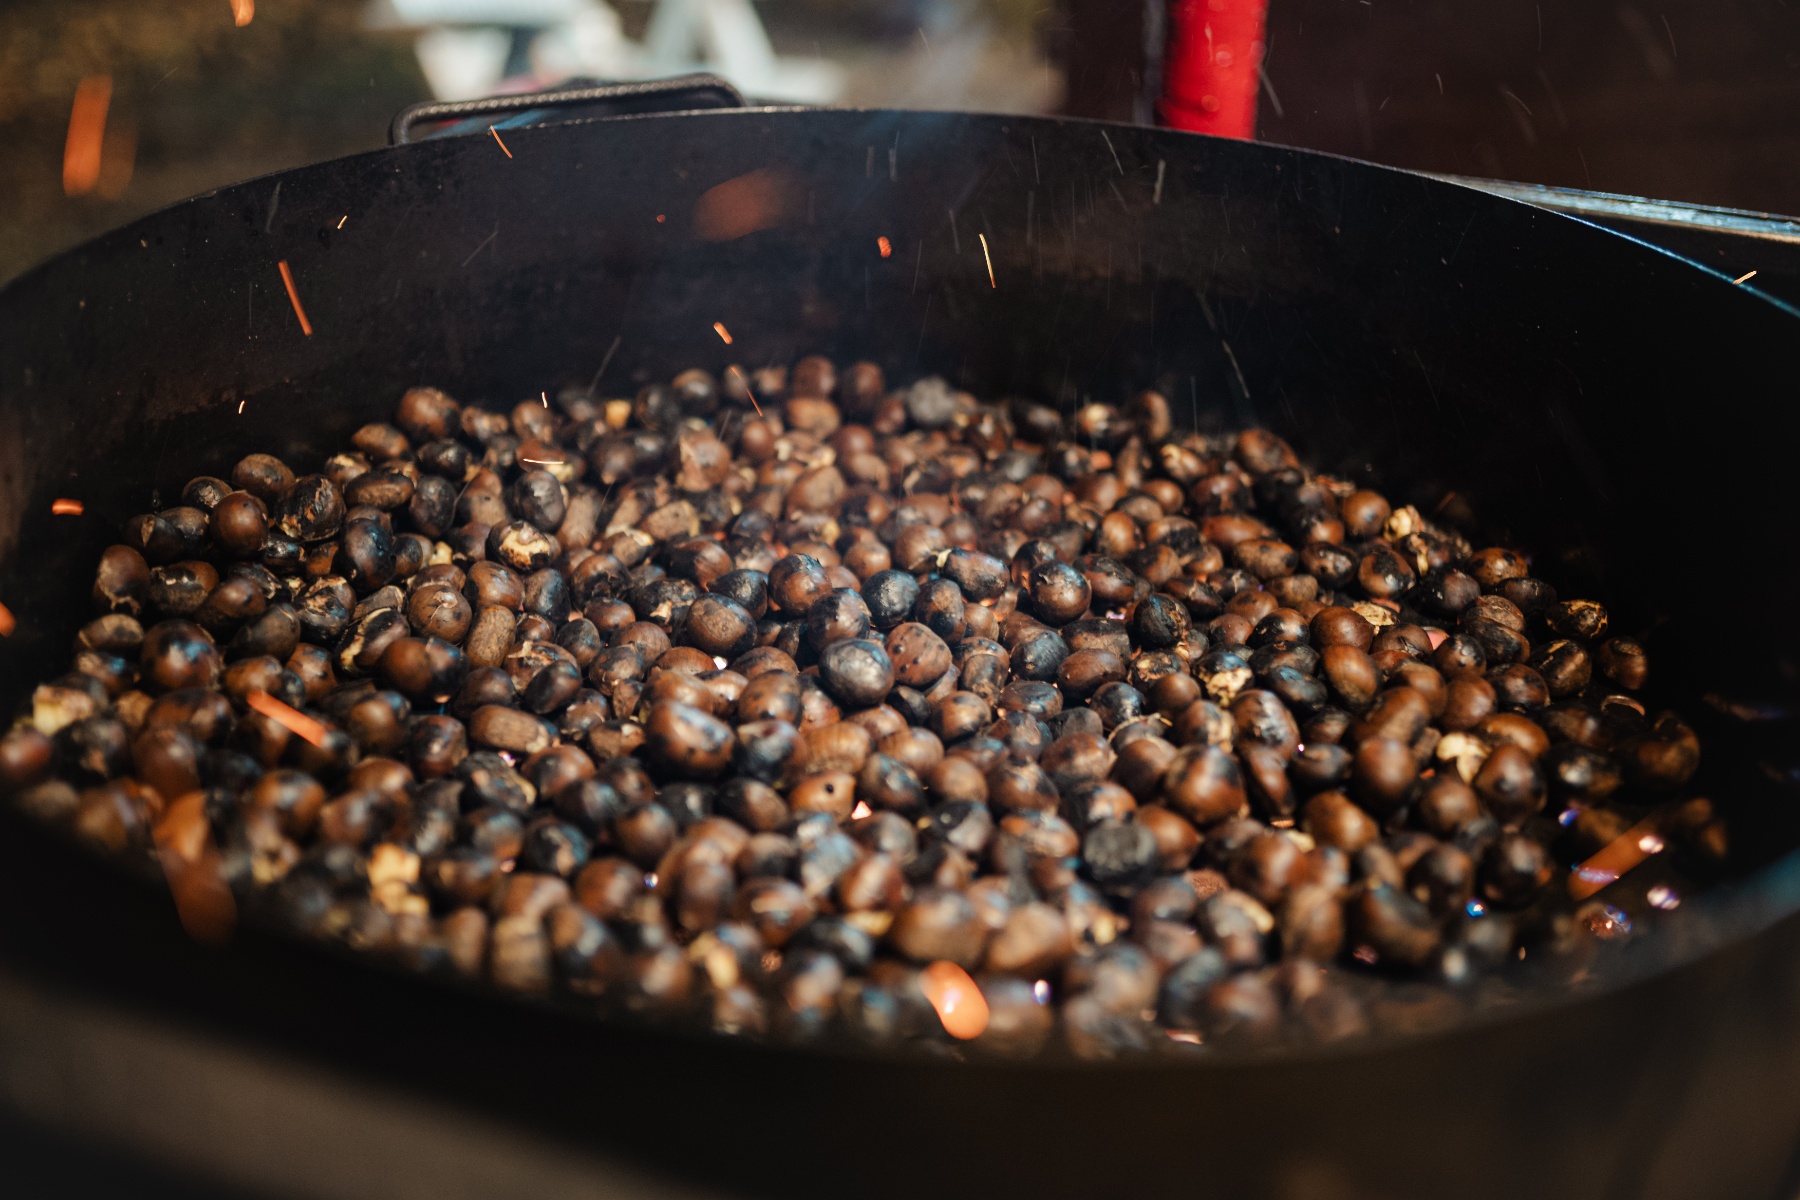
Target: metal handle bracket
677 94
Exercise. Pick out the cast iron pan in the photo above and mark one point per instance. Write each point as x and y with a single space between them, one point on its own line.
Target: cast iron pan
1627 415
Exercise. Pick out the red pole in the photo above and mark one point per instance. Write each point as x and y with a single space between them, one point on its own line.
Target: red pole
1210 72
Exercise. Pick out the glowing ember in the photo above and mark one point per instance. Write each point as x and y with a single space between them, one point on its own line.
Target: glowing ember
1605 922
545 397
959 1003
66 508
243 12
287 278
87 133
1746 277
660 218
1663 896
861 810
1183 1035
295 721
1617 857
502 145
886 247
989 259
724 335
7 624
342 219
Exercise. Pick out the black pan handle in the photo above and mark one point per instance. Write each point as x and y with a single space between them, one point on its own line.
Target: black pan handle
681 92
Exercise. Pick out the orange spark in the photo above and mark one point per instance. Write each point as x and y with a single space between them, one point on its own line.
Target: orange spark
287 277
496 134
719 328
342 219
660 218
243 12
739 372
295 721
7 624
959 1003
886 247
1617 857
87 133
66 508
989 258
190 863
1746 277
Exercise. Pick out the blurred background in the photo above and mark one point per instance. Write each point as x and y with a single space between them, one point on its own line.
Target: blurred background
112 108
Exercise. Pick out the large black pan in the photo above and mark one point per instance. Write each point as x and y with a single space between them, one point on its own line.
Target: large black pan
1627 415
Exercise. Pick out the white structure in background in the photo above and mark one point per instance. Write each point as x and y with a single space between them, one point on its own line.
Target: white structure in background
471 48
